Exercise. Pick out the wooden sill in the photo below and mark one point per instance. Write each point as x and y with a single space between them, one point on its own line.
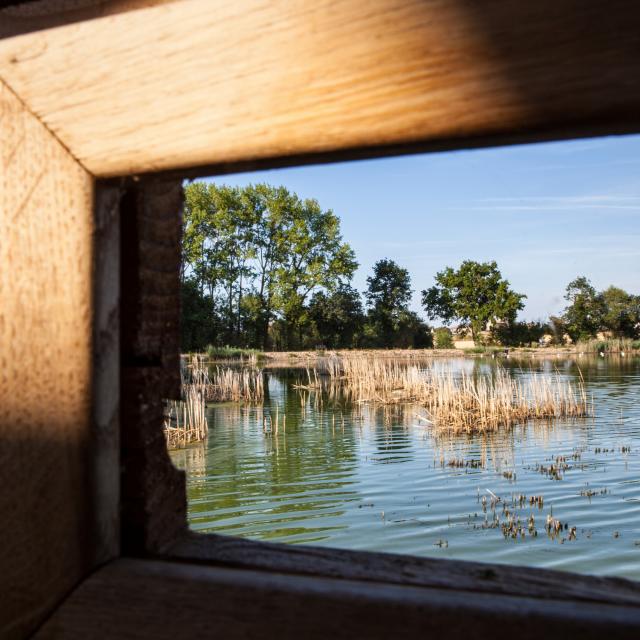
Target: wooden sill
406 570
135 598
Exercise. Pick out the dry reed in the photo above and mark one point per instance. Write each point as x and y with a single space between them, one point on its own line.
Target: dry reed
185 420
459 401
226 383
232 385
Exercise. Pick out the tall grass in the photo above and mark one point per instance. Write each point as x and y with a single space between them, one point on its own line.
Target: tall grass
225 383
457 400
466 403
234 353
185 420
234 385
611 345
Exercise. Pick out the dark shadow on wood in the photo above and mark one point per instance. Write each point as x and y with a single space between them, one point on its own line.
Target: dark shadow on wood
167 600
153 502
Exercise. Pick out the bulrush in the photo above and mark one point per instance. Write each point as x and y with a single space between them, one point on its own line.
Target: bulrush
228 384
185 421
456 400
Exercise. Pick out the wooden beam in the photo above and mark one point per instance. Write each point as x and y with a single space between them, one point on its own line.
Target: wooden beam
153 501
58 511
140 599
204 86
474 577
17 17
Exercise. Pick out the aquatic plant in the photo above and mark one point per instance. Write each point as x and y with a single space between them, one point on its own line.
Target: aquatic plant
224 384
235 385
608 345
185 420
457 400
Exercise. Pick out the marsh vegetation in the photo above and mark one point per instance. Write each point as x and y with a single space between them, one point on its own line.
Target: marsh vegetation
308 465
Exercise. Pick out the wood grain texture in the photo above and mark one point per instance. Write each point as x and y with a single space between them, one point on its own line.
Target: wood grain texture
139 599
474 577
153 501
46 218
105 446
18 18
196 84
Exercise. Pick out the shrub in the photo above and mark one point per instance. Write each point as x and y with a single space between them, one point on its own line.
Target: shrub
232 353
443 338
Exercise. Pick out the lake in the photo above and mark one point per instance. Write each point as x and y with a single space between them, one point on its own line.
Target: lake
363 476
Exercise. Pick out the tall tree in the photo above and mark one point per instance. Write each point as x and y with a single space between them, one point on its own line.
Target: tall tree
317 259
257 254
388 294
473 295
621 313
584 313
338 317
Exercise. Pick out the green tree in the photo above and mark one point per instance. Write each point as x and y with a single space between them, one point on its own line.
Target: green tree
583 316
390 323
317 259
621 313
270 243
411 332
197 318
257 254
557 329
388 294
473 295
443 338
338 317
519 334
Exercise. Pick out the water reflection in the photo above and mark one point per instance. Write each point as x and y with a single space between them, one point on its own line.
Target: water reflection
378 477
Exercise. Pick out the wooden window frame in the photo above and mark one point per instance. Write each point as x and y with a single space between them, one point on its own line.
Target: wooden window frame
141 573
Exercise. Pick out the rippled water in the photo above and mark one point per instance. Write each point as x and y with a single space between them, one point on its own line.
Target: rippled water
376 478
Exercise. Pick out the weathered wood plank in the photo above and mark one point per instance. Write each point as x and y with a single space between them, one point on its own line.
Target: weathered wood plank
149 599
197 84
48 533
476 577
153 491
105 446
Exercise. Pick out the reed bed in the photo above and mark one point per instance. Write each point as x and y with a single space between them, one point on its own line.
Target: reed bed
185 420
225 384
468 404
456 400
236 385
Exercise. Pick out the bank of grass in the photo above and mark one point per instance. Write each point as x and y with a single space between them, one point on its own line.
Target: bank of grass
486 350
233 353
609 345
307 358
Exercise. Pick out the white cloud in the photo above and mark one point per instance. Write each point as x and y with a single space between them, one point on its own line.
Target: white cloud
597 202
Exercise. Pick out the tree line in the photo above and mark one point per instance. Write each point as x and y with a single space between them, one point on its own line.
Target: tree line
263 268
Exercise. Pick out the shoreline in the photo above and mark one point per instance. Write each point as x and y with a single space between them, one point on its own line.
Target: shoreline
306 358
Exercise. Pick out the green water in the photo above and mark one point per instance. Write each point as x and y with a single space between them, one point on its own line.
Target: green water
375 478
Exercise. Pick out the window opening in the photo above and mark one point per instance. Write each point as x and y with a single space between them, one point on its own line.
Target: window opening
433 355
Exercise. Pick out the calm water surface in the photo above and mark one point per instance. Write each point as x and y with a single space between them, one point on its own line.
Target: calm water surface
377 478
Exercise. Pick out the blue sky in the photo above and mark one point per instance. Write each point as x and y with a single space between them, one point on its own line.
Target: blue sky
546 213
